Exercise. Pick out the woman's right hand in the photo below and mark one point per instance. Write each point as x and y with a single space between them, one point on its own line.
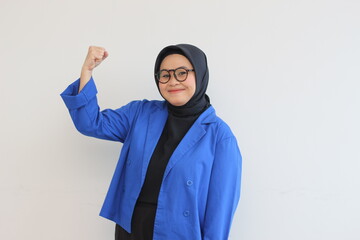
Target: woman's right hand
94 57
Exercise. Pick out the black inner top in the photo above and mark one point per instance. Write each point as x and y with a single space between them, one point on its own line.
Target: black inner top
174 131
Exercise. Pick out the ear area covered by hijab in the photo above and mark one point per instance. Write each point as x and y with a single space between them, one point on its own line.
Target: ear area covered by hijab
199 101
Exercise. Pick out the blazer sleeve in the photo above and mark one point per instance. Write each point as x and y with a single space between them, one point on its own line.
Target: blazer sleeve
89 120
224 190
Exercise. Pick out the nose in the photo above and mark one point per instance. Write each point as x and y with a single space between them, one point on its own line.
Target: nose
172 80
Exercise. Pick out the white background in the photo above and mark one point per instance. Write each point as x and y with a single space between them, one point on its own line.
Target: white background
284 74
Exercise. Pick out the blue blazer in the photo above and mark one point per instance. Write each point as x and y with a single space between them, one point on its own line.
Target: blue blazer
201 184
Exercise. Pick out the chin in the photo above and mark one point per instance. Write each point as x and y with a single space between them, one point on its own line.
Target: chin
176 103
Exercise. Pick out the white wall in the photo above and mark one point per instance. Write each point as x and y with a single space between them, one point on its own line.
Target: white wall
284 75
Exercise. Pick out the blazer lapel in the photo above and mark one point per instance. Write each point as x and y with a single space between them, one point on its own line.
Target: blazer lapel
157 122
194 135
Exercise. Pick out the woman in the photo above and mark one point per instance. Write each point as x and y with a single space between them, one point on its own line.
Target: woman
179 171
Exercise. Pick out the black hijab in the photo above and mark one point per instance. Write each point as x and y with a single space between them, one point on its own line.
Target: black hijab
199 101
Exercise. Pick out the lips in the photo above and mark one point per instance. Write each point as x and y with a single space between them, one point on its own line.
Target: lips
175 90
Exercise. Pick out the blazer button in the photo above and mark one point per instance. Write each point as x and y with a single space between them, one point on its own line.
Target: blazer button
189 182
186 213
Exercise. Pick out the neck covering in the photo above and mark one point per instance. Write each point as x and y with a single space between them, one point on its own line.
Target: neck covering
199 101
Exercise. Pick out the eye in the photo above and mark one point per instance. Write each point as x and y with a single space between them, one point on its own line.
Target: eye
164 74
181 72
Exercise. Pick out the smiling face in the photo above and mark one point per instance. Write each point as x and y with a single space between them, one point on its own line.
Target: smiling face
177 93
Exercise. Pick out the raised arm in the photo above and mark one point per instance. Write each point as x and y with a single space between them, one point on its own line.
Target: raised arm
80 98
94 57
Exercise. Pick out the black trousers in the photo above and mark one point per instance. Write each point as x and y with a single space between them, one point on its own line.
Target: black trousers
142 223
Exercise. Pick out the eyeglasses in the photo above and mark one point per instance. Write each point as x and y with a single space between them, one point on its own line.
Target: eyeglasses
180 74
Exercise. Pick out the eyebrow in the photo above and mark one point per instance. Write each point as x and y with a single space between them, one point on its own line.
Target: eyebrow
175 68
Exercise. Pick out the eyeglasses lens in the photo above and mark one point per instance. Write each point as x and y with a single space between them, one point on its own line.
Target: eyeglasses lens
180 74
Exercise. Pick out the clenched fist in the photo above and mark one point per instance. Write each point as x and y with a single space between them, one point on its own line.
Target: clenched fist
94 57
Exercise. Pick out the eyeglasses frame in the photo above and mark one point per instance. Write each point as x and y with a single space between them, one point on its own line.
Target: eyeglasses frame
157 75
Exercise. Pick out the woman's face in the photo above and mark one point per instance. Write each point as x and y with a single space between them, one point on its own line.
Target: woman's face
177 93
